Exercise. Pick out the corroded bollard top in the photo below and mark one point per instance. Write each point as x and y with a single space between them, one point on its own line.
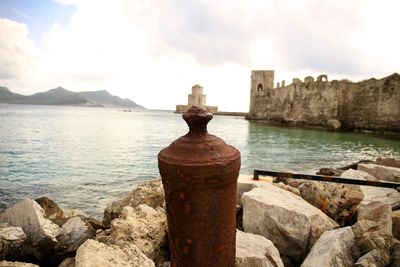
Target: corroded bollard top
198 146
199 173
197 118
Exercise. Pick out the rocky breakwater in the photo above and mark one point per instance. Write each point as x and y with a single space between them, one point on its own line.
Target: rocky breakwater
326 224
294 224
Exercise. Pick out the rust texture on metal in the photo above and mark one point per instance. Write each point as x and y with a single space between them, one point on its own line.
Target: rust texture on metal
332 179
199 173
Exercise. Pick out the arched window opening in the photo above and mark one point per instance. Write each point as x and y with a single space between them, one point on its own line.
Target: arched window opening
259 87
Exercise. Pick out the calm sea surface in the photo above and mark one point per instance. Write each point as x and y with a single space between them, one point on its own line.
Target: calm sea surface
85 157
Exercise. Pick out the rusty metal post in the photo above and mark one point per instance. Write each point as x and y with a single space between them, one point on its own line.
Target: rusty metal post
199 173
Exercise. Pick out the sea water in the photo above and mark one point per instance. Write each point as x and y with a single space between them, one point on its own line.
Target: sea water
86 157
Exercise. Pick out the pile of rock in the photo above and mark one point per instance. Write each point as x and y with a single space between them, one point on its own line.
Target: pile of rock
133 233
326 224
299 223
27 233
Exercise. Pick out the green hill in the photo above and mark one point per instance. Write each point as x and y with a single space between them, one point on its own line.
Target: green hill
62 97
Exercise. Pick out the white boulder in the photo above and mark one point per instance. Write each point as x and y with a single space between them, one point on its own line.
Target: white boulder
291 223
358 174
333 249
383 173
386 195
28 215
256 250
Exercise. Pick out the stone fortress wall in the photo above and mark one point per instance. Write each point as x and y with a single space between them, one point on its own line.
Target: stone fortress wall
369 105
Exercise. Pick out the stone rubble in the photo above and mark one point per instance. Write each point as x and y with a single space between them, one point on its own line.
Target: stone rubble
338 201
28 215
281 227
144 227
149 192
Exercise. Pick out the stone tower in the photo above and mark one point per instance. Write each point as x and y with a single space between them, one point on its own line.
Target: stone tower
197 97
261 80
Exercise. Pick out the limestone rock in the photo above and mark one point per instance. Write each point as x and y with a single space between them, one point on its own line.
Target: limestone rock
292 224
374 258
143 226
386 195
150 193
68 262
368 236
396 224
96 224
12 241
333 124
94 254
246 183
73 233
395 255
256 250
31 218
16 264
329 172
383 173
378 212
338 201
357 174
373 230
390 162
333 249
289 188
51 208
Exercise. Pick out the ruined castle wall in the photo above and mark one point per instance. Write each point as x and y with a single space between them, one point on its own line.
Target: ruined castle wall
368 105
371 104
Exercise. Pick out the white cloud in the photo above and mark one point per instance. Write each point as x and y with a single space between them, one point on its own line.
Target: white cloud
17 51
154 51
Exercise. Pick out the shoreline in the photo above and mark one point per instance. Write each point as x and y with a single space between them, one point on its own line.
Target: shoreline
377 133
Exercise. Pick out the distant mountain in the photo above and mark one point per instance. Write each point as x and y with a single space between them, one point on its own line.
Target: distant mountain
106 99
62 97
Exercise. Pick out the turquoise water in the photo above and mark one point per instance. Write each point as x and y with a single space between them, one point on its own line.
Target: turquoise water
85 157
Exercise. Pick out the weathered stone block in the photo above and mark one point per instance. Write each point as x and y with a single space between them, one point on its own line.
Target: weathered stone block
332 249
74 233
12 240
144 227
338 201
94 254
150 193
383 173
31 218
292 224
256 250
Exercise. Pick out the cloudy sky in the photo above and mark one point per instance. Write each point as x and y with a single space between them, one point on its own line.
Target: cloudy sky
153 51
